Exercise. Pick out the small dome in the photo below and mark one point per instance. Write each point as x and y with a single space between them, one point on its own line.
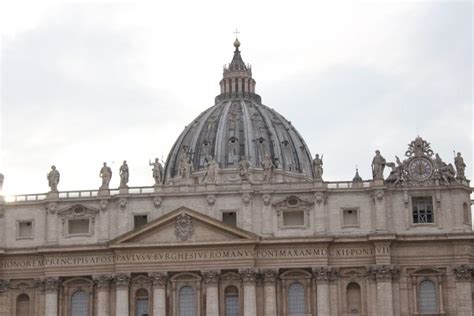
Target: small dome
240 125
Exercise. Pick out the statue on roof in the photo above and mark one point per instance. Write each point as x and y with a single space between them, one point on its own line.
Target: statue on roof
212 169
124 175
460 167
53 179
185 166
157 171
2 177
378 166
244 168
268 166
318 167
106 175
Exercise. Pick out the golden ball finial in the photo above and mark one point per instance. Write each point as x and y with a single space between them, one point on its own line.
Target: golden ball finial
236 43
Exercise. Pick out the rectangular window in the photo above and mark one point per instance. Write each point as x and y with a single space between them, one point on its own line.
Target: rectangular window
78 226
422 210
25 229
350 218
293 218
139 220
230 218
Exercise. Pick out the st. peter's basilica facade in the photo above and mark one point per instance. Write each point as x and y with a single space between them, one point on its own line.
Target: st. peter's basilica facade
241 222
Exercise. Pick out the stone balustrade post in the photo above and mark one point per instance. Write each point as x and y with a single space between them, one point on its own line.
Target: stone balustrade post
159 293
463 274
250 300
211 280
102 283
51 287
322 276
269 291
122 282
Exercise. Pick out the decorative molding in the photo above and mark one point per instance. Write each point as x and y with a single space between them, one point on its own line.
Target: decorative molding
248 276
211 278
159 279
269 276
121 280
103 204
246 198
230 276
103 281
157 201
321 198
4 285
379 195
123 203
463 272
267 198
211 199
52 207
184 227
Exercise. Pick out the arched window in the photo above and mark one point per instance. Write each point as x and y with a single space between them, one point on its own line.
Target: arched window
232 305
23 305
427 297
79 304
187 301
141 303
354 301
296 301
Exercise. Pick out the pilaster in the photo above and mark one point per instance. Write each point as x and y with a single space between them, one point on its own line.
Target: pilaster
269 290
159 292
211 281
51 287
463 275
102 284
383 275
122 283
250 300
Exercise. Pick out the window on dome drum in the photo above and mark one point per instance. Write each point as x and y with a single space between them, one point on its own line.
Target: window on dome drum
232 304
422 210
293 218
296 300
80 304
22 305
354 300
350 217
230 218
139 220
24 229
427 297
78 226
141 305
187 301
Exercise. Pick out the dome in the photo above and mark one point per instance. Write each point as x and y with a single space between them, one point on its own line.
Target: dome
237 126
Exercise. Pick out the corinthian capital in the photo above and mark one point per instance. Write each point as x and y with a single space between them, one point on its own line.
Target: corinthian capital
248 276
103 281
51 284
122 280
210 277
463 272
325 274
383 273
269 276
159 279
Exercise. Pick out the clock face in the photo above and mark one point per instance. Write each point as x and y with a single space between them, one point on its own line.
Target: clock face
420 169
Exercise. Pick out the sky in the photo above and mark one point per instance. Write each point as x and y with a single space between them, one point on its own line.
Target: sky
83 82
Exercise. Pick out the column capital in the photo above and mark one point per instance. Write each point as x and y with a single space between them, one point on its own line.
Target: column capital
248 276
102 282
463 273
211 277
325 274
4 285
269 276
383 273
159 279
51 284
121 280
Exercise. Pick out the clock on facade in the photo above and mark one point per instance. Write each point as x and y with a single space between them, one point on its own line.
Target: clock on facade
420 169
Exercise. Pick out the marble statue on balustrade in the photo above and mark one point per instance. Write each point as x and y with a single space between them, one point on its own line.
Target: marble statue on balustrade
318 167
157 171
53 179
398 174
444 173
2 178
106 175
212 169
185 165
268 167
378 166
124 175
244 168
460 167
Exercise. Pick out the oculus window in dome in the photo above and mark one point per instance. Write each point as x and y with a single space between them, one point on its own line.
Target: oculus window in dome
238 135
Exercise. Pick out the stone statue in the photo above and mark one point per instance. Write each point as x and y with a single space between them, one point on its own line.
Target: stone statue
244 166
157 171
106 174
185 166
460 167
124 174
268 167
318 168
53 179
447 173
2 177
378 166
212 168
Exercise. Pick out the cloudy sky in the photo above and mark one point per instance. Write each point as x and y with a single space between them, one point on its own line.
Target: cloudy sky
85 82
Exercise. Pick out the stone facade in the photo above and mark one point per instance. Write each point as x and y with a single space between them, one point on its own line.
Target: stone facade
289 245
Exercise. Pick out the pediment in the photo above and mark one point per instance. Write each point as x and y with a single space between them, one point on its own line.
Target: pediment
78 210
183 226
292 202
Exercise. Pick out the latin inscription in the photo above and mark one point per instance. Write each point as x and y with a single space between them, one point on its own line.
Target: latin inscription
183 256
